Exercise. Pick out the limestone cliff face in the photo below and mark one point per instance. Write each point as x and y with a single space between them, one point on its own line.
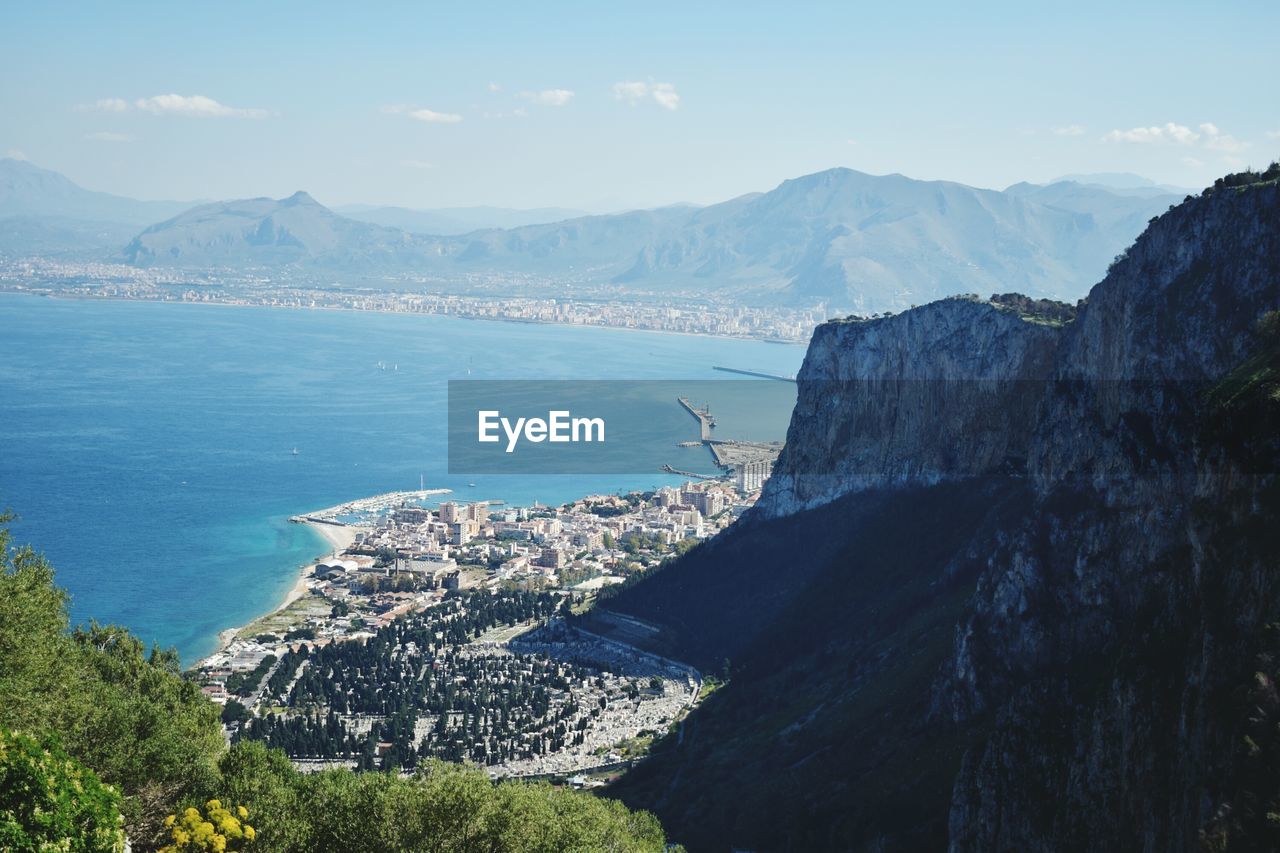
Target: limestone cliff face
1111 622
945 391
1109 628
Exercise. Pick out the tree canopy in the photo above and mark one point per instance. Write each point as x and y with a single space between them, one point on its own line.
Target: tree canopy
132 731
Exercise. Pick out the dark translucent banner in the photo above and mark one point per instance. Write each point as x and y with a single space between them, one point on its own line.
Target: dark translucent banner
614 427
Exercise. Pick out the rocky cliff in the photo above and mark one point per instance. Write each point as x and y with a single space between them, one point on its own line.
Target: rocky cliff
1037 563
1115 620
946 391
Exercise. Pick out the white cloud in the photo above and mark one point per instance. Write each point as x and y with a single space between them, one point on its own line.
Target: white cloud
635 91
1193 162
1170 132
520 112
109 136
1273 134
16 154
433 117
549 97
495 87
417 164
429 116
1216 140
666 96
194 105
1068 130
1207 136
104 105
630 91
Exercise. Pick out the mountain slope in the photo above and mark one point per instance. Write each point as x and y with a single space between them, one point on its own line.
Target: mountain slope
855 241
866 242
1010 584
268 232
29 191
44 213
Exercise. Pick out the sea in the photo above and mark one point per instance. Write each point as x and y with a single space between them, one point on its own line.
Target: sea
153 452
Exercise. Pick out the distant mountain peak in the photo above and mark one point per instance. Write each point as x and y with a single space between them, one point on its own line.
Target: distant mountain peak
300 197
1119 180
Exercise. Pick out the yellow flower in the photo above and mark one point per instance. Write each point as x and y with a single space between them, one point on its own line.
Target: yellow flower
213 804
242 811
249 832
168 822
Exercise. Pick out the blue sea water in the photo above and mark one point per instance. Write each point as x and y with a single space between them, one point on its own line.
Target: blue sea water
147 447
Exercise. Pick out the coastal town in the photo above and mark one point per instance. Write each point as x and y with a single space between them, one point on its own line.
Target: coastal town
472 296
474 605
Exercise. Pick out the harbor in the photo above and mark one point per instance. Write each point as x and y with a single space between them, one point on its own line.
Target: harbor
749 462
366 506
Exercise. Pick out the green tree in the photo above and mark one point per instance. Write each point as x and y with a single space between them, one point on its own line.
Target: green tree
123 712
264 780
235 712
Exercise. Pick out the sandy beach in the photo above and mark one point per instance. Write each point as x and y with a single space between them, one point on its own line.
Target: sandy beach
338 537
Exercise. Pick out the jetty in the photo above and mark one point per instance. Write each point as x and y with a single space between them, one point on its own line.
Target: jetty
757 373
692 474
730 455
705 420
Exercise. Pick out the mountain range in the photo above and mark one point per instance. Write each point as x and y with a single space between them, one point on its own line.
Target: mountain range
451 221
840 238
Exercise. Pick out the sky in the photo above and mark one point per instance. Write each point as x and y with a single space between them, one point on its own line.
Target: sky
603 106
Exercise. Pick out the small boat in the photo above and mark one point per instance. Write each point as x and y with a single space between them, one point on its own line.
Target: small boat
294 452
472 485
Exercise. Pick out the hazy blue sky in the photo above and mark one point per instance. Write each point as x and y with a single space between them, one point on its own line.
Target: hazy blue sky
607 104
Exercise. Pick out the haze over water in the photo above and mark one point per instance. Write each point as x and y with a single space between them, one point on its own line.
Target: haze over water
147 447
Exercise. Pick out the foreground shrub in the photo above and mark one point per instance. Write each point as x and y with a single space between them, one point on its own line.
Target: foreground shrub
49 801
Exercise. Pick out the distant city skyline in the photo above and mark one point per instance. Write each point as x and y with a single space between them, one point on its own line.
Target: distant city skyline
600 109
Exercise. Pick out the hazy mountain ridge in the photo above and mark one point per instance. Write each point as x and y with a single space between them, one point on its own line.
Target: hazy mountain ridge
29 191
1009 586
452 221
853 241
865 241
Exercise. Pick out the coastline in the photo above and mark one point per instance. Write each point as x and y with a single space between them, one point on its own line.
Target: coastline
338 537
531 322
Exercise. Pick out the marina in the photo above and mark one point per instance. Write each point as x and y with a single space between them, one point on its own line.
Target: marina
366 506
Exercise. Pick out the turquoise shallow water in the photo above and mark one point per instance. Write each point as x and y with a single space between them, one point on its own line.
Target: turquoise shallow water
146 447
